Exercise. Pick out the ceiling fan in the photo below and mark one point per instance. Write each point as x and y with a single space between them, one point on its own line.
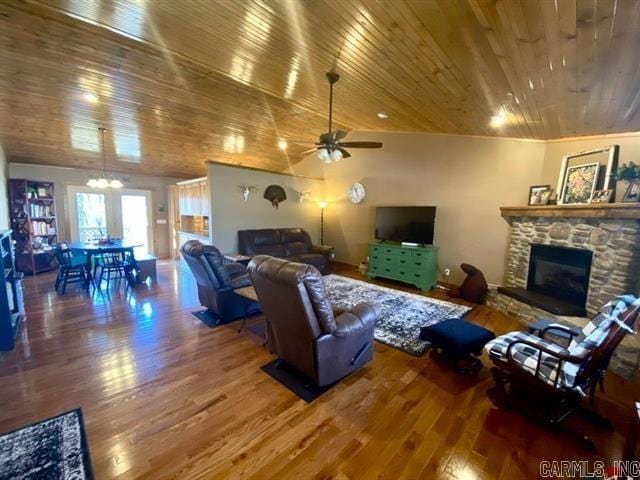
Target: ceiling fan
330 146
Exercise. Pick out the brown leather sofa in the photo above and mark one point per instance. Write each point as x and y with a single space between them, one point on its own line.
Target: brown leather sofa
303 330
292 244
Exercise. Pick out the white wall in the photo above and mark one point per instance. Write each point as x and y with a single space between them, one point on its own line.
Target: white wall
230 213
467 178
4 196
64 177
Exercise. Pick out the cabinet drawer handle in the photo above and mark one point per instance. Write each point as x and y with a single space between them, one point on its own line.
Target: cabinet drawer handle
403 261
418 264
417 275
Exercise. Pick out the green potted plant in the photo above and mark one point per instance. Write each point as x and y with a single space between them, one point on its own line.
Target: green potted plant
630 173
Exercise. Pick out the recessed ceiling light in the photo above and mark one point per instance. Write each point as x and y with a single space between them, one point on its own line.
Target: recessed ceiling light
282 144
498 120
383 115
90 97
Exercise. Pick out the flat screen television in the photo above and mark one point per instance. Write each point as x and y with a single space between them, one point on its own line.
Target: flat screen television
406 224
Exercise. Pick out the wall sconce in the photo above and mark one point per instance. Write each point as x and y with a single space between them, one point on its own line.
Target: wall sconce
246 191
303 195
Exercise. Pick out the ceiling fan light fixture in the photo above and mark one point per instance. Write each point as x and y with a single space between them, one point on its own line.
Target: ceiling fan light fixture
115 183
383 115
92 182
323 155
282 144
336 155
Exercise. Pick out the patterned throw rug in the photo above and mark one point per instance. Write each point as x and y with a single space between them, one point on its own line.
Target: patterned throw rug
55 448
402 314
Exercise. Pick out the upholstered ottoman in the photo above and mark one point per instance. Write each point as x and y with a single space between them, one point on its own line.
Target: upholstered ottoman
460 341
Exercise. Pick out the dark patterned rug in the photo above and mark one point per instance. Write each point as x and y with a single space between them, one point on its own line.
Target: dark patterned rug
402 313
55 448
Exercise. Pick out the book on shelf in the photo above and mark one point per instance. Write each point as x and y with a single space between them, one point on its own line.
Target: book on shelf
42 228
40 210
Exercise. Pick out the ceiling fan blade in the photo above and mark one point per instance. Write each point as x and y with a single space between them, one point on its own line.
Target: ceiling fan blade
345 154
326 138
339 135
361 144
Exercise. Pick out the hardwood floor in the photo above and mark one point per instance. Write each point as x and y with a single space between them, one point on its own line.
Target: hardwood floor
164 396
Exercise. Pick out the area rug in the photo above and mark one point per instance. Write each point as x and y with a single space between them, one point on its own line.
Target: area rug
55 448
402 314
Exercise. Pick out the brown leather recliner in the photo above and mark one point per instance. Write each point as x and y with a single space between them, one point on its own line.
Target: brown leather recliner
302 328
293 244
218 281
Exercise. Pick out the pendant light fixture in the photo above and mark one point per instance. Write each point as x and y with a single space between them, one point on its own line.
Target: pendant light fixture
104 181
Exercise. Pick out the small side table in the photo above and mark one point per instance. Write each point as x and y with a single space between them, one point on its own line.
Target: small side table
146 267
236 257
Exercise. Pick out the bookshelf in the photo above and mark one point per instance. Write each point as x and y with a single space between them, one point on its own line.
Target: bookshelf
11 302
34 224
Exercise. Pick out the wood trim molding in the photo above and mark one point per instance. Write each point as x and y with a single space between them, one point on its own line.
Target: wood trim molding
193 180
607 210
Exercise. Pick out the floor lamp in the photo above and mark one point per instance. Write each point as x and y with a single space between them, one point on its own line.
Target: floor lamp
322 204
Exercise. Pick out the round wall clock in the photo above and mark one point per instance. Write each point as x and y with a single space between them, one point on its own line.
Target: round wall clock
356 193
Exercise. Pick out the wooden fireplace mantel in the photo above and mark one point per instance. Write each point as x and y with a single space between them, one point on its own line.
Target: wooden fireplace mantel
605 210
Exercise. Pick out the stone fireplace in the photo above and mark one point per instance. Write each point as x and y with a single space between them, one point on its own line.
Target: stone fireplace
583 255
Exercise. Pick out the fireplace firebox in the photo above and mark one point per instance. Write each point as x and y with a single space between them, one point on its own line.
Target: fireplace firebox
560 272
558 280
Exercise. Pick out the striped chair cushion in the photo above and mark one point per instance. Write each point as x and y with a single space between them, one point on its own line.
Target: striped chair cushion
594 332
527 357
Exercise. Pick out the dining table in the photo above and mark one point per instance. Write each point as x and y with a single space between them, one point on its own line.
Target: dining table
91 249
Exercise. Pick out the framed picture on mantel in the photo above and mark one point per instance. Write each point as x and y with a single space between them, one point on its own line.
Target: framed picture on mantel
539 194
579 183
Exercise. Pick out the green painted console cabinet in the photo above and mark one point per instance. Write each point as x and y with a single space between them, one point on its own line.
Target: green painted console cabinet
415 265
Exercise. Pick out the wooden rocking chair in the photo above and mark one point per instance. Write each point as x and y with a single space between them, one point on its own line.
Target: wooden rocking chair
549 381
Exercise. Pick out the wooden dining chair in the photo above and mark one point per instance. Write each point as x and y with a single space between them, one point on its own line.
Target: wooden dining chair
115 265
70 269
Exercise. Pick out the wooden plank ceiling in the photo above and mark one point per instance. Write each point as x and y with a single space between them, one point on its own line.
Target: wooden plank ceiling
177 83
